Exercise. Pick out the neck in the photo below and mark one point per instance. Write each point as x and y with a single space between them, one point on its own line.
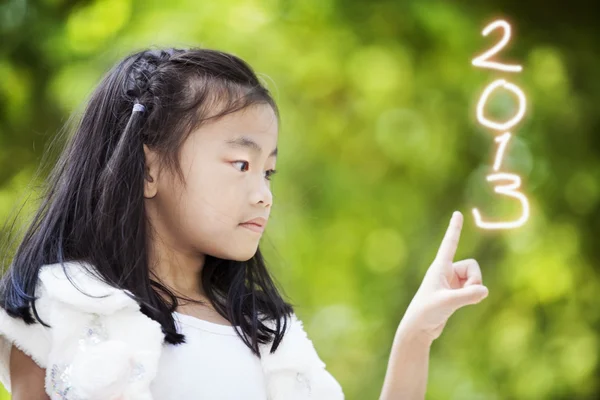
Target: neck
172 260
177 270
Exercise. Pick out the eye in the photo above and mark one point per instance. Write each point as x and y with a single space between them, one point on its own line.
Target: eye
270 172
241 161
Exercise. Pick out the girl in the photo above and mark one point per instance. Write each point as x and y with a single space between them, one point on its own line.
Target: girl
140 276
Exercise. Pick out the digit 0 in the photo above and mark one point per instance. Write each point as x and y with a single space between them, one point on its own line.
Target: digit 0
500 83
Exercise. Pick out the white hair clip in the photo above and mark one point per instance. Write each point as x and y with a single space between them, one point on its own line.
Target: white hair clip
138 107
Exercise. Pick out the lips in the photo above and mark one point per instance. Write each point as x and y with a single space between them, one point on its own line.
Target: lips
253 227
259 221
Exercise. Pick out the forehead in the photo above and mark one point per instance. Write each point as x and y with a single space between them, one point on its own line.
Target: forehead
253 120
256 123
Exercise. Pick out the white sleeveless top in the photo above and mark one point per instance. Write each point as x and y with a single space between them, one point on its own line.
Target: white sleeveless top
213 364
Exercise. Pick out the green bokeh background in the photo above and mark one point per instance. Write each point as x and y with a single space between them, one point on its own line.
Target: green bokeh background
378 145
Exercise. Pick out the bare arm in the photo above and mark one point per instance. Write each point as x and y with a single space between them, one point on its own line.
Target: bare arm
447 286
26 377
406 375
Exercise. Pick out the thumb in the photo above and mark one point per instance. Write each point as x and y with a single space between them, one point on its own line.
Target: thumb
467 295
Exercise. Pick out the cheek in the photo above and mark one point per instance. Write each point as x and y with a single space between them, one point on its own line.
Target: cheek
209 204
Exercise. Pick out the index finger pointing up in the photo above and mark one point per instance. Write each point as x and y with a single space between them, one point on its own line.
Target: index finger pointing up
449 244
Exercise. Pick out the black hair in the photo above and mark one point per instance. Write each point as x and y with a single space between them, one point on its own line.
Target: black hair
92 205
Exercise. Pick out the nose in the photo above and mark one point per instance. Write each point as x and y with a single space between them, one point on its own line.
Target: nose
263 193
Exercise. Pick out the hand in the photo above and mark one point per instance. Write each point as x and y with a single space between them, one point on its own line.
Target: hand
446 287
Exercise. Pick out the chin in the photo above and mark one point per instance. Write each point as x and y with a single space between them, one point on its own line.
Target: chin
238 254
243 255
247 256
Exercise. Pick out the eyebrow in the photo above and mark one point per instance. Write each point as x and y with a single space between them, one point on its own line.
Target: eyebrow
245 141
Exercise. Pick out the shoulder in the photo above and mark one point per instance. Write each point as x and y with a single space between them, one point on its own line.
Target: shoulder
77 285
295 349
99 343
295 370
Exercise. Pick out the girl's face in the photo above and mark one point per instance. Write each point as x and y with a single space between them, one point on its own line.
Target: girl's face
226 166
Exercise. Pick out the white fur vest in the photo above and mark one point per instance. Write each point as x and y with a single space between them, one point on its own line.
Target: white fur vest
110 336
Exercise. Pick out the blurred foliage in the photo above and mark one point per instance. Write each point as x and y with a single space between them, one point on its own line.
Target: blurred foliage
378 145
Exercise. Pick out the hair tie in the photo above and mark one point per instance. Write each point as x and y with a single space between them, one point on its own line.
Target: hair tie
138 107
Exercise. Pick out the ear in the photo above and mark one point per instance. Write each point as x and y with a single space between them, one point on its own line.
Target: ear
151 171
